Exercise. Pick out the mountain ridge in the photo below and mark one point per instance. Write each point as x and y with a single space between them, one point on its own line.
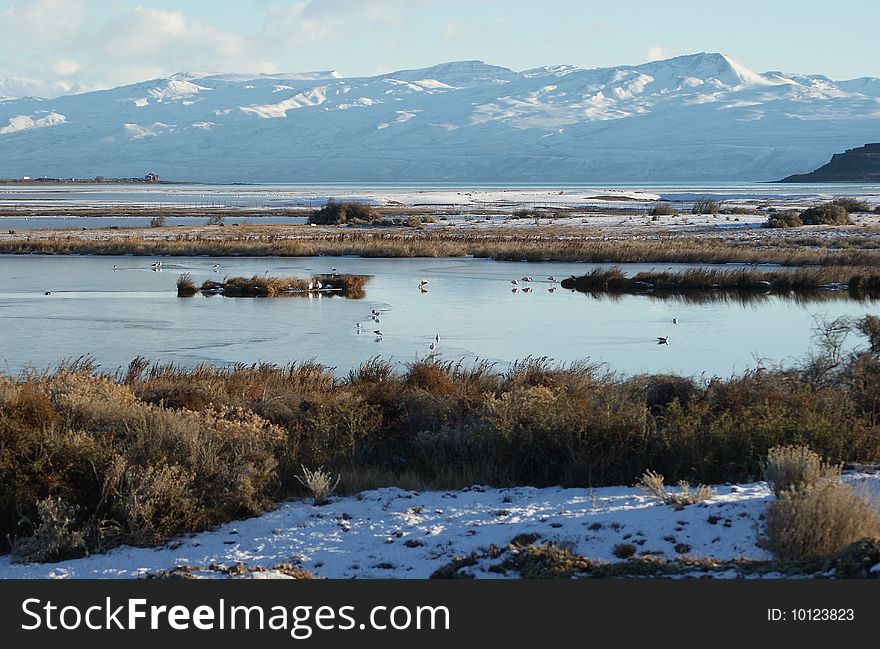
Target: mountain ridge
693 117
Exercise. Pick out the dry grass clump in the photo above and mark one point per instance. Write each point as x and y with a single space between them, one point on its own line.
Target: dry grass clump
787 219
319 482
350 286
652 484
662 209
827 214
334 213
810 523
706 206
53 538
796 467
186 287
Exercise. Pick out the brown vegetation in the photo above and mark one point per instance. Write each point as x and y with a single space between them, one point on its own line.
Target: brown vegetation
859 281
509 244
350 286
89 460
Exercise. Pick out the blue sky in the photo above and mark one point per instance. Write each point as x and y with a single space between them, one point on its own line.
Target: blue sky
58 45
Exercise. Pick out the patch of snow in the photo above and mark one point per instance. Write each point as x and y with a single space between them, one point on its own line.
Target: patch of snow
313 97
28 122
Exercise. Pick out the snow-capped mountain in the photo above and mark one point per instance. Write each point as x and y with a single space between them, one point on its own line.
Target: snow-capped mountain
690 118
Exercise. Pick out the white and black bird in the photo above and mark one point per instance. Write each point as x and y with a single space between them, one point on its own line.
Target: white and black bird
675 321
319 285
514 282
552 289
433 347
333 269
377 332
551 279
437 339
423 282
115 267
662 340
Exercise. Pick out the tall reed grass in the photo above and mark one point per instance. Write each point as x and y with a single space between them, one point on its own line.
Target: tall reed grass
140 455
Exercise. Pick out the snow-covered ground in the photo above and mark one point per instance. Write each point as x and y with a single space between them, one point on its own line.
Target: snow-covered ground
391 533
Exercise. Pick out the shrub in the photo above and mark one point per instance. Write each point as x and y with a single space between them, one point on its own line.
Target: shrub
827 214
334 213
784 220
56 536
216 219
186 287
869 326
319 482
662 209
652 484
813 523
851 204
796 467
158 221
706 207
624 550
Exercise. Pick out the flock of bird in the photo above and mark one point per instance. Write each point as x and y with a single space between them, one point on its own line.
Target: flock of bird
522 284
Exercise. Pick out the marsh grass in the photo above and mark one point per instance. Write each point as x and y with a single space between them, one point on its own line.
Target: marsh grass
499 244
860 281
186 287
153 451
349 286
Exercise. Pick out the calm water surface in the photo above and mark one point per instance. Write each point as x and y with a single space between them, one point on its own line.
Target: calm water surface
117 315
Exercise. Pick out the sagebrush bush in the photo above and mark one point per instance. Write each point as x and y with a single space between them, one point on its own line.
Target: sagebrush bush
662 209
816 522
787 219
851 204
827 214
706 207
334 213
652 484
796 467
56 535
319 482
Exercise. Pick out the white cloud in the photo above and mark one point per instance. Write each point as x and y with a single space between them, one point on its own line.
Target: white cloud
65 67
658 53
40 23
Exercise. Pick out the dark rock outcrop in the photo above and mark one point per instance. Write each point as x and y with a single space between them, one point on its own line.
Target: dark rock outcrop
861 165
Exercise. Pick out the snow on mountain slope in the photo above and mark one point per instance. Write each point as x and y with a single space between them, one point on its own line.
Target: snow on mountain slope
701 117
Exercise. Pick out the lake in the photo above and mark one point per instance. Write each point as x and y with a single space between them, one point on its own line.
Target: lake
115 316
